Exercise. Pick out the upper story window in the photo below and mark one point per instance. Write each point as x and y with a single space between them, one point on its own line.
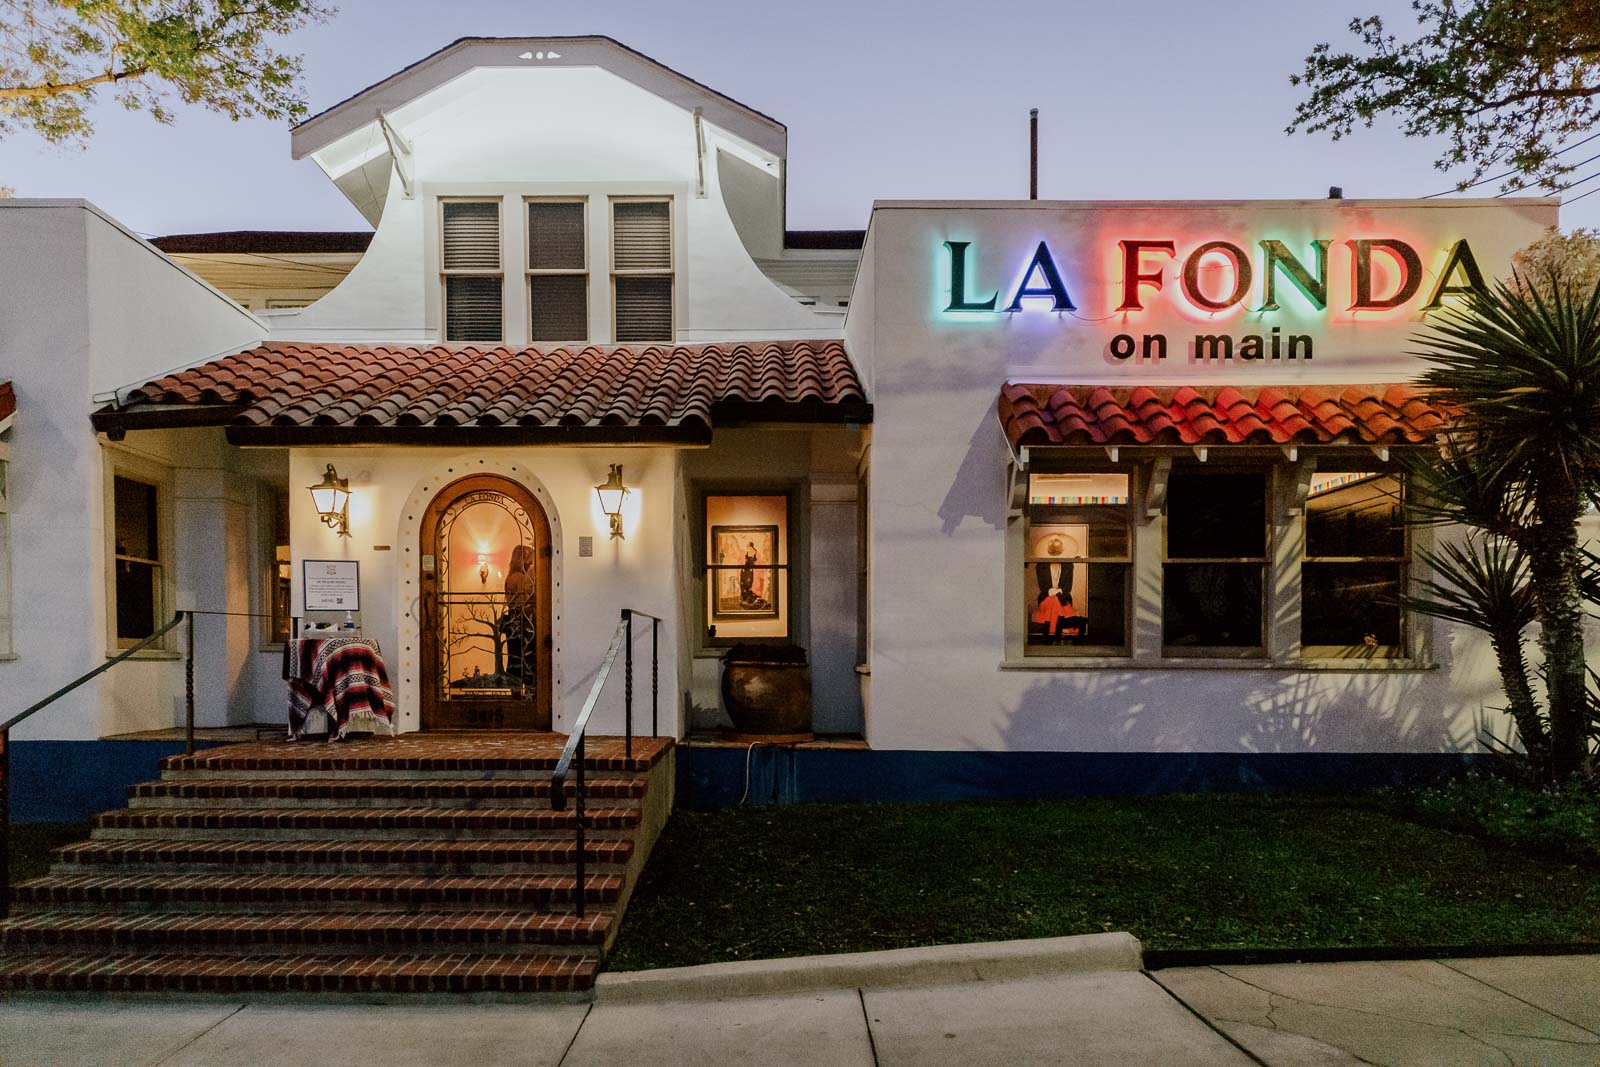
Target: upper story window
558 271
1353 572
474 305
1214 575
642 269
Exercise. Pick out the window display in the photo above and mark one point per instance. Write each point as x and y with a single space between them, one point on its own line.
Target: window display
1353 573
747 567
1076 562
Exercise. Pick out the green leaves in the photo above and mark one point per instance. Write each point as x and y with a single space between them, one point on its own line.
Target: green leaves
56 56
1507 82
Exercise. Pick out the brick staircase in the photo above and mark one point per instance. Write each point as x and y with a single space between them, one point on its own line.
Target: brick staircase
423 863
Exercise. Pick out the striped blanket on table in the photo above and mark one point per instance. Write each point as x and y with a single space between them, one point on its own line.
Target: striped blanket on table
336 683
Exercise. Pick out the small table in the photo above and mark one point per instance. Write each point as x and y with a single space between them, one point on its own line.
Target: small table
336 683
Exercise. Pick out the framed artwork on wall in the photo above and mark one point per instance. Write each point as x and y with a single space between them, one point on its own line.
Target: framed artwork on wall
744 566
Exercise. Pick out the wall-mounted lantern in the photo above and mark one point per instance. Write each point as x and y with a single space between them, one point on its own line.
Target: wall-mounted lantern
611 493
483 567
332 499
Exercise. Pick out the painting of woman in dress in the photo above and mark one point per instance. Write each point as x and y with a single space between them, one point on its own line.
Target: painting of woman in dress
744 571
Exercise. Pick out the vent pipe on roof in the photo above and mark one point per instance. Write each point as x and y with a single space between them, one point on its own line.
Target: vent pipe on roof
1335 192
1033 153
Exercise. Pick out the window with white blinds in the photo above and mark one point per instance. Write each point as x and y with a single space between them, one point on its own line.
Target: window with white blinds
470 260
558 277
641 269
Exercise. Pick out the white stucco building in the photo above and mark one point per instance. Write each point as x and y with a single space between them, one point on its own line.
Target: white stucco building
1056 496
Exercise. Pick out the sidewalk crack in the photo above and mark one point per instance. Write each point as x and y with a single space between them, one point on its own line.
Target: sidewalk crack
197 1037
872 1042
1513 996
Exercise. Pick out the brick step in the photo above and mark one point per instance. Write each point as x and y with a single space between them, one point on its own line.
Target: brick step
404 856
471 973
337 933
376 792
411 755
413 824
291 892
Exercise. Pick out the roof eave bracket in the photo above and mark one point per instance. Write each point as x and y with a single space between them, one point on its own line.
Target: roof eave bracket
400 152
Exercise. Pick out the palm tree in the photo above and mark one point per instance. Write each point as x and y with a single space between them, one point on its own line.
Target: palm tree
1520 366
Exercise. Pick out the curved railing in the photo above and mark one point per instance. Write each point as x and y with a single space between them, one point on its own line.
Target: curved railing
573 750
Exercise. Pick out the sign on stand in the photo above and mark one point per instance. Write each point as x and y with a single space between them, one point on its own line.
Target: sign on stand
332 585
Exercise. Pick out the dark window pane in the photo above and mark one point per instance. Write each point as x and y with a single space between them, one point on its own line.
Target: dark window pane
136 599
555 236
1082 604
1350 604
1362 518
1216 516
560 305
471 308
1212 604
644 309
135 504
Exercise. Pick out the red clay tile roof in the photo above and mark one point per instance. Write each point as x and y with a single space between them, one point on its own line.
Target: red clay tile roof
315 393
1307 414
8 401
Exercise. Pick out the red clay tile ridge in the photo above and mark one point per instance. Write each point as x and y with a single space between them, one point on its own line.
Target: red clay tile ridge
1384 414
293 391
8 402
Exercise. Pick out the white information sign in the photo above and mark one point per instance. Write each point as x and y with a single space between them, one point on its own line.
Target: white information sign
332 585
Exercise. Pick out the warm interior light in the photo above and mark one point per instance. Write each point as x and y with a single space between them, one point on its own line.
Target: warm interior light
611 492
483 567
332 499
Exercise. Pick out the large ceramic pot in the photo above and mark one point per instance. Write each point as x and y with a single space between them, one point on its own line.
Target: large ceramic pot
766 690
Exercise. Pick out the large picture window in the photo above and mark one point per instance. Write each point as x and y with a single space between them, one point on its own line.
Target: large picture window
1076 560
1354 568
747 567
137 560
1214 569
470 261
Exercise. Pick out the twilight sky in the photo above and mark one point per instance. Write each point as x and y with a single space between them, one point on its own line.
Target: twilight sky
883 100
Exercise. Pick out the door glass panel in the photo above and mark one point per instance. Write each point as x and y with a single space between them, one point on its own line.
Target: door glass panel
487 606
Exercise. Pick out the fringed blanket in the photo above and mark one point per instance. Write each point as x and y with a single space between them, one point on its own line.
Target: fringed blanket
336 683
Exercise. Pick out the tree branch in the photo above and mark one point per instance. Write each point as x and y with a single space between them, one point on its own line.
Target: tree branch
47 90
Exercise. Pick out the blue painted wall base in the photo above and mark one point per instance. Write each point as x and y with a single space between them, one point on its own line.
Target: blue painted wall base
711 778
70 781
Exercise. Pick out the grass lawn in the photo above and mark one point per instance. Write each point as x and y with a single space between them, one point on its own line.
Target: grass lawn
31 843
1179 872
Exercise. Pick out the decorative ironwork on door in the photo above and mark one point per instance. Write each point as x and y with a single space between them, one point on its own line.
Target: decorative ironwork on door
489 586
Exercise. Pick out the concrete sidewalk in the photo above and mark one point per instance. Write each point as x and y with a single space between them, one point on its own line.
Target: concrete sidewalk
1543 1010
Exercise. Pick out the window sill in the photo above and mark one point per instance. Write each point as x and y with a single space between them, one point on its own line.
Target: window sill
1123 663
157 654
9 657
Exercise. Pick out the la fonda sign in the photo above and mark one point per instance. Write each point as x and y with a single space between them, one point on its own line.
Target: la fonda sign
1235 284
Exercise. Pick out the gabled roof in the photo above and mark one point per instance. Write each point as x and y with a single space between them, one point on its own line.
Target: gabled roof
470 53
1268 415
289 392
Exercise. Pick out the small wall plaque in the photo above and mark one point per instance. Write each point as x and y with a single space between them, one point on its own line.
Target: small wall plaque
585 545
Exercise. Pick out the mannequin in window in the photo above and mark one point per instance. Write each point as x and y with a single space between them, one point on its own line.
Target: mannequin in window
517 621
1053 603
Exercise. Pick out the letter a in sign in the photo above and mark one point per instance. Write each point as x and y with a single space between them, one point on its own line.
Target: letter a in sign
1052 287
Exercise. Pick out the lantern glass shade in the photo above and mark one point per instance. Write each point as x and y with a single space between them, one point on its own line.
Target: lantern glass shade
331 496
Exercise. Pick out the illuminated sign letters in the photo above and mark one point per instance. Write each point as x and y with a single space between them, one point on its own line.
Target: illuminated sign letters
1220 275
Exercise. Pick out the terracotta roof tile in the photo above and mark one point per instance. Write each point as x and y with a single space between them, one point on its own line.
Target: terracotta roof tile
8 401
295 384
1277 414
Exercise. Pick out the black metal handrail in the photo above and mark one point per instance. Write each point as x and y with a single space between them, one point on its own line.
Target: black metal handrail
621 638
40 705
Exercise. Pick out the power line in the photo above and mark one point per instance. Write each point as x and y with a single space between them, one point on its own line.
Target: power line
1580 196
1509 173
1569 185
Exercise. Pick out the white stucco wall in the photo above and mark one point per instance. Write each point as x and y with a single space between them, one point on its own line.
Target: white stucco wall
87 307
561 131
939 502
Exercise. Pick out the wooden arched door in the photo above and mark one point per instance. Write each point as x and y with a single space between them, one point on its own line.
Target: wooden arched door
486 638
